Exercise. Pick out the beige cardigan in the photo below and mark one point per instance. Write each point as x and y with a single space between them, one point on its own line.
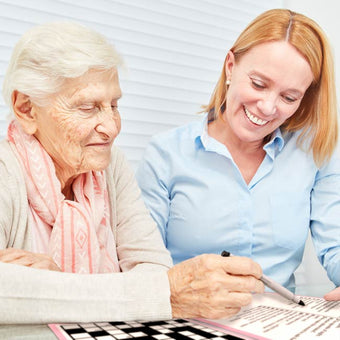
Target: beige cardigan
30 295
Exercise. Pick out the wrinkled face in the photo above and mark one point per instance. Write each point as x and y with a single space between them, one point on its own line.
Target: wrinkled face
267 86
80 123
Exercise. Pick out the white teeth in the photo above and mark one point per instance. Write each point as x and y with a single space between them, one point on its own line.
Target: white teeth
254 119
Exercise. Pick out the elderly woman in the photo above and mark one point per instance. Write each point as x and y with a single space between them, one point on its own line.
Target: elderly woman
69 204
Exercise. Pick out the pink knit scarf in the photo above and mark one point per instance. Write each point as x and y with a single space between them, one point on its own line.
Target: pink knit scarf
76 234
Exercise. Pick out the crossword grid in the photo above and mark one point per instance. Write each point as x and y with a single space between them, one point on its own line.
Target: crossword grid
171 329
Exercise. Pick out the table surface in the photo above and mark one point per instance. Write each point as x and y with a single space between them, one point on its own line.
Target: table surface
43 332
26 332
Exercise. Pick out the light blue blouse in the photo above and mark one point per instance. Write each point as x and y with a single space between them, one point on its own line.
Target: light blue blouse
201 203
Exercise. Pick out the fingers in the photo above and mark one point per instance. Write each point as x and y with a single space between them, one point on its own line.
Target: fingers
229 305
10 254
48 264
237 265
25 258
210 287
17 256
218 280
244 284
218 306
242 273
334 295
226 299
219 313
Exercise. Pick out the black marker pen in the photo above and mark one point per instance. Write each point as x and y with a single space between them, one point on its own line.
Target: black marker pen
276 287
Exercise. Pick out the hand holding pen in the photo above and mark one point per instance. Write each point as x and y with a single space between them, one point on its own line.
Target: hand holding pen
276 287
212 287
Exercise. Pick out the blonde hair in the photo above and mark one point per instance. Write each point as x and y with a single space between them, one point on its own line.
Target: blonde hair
316 116
48 54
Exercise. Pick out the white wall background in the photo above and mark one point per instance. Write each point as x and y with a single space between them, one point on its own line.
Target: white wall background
174 50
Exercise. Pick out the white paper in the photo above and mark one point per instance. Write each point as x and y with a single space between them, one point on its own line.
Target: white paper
272 317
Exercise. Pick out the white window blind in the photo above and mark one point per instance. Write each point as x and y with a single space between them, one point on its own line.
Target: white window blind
173 50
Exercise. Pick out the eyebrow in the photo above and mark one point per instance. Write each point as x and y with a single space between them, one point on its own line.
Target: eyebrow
95 99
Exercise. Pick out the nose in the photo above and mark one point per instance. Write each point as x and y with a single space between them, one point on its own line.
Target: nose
268 104
108 122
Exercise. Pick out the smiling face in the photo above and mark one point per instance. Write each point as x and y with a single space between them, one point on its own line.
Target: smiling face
267 86
80 123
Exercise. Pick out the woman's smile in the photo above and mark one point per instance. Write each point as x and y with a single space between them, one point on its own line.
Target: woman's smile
255 120
99 144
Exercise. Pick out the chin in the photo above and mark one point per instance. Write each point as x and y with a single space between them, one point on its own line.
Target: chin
100 165
95 161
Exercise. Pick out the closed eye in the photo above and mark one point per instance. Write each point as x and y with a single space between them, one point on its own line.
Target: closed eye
257 84
87 107
289 99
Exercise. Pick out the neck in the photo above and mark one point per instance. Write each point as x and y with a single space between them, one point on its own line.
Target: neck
66 179
247 156
221 131
68 192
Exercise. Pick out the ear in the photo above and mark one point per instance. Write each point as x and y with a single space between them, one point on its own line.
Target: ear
24 112
229 64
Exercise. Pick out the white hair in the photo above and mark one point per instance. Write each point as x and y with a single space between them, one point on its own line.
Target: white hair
48 54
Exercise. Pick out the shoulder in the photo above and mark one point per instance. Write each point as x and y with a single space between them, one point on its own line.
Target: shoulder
119 166
6 152
13 198
332 165
187 131
117 156
11 174
176 140
294 144
9 164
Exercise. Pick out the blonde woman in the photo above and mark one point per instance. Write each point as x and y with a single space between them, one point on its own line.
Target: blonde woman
260 170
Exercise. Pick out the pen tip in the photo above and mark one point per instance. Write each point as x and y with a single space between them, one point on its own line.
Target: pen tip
301 303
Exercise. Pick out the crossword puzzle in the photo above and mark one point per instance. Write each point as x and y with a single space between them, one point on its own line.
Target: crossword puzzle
171 329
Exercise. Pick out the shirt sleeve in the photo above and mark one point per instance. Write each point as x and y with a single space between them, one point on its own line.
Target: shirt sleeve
325 218
13 203
152 177
42 296
5 208
139 243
